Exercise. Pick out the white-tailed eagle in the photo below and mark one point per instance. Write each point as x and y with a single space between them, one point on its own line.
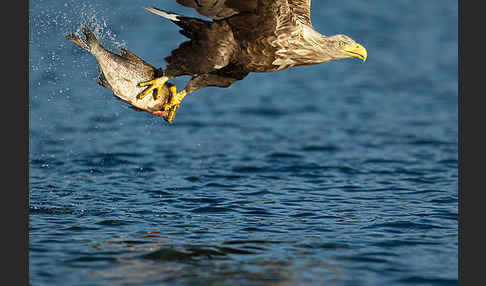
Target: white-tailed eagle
245 36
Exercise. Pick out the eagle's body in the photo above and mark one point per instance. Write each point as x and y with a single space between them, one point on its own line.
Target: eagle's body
246 36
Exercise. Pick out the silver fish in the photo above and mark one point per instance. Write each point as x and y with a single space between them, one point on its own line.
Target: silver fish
122 74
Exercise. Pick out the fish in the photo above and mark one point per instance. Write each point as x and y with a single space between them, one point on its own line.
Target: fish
123 73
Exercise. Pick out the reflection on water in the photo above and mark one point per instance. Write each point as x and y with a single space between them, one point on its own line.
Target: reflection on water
152 259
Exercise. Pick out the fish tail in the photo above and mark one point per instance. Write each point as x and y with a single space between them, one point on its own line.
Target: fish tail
88 44
90 37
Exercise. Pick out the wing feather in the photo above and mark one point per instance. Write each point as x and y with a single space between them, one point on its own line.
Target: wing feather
274 16
219 9
301 10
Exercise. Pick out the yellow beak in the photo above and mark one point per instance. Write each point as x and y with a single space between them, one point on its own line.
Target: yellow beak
355 51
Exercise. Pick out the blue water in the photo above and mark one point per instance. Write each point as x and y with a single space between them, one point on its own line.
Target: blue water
343 173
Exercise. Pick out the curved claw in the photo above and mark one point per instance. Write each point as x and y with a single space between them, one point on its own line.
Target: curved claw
171 109
175 99
168 106
171 115
156 84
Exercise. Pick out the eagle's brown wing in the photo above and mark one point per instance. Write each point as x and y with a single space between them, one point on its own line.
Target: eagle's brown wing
301 10
220 9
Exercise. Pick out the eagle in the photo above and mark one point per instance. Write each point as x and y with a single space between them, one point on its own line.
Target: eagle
244 36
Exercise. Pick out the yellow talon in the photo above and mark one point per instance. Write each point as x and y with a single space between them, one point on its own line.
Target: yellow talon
174 102
156 84
171 115
175 99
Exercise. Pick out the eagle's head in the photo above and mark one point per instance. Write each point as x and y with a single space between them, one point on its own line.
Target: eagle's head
342 46
314 48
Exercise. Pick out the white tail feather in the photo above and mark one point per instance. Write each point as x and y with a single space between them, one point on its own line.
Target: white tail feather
161 13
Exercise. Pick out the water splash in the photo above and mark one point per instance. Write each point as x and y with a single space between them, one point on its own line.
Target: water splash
49 21
58 19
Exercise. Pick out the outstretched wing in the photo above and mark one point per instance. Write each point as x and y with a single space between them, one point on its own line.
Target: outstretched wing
271 14
220 9
301 10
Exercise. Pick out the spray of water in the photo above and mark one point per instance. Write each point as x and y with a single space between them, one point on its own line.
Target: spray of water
52 59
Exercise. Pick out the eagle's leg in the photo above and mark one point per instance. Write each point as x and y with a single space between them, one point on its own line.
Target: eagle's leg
174 102
156 84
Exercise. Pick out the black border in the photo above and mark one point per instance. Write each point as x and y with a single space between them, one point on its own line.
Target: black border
15 129
471 143
23 276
